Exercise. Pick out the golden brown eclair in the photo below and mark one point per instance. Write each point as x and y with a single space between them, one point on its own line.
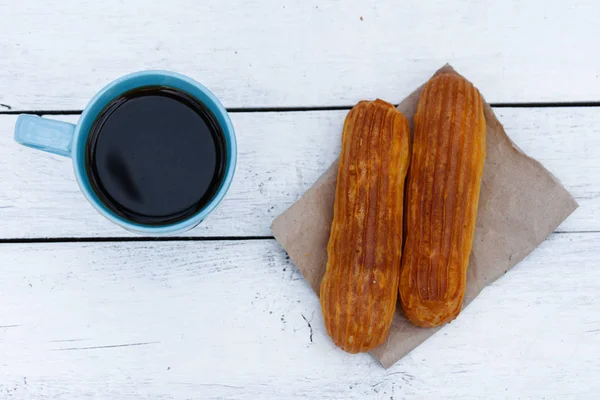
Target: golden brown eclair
442 198
360 286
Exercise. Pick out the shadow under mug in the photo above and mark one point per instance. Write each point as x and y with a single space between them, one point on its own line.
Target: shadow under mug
70 140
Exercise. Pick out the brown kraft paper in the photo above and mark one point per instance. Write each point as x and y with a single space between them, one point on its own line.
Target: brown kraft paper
520 204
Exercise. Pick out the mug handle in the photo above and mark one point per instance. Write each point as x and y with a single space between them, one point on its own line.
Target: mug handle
45 134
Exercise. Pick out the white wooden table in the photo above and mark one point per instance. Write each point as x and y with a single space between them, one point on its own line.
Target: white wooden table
90 311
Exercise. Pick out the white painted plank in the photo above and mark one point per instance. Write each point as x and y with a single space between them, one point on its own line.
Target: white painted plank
564 140
208 320
281 155
56 54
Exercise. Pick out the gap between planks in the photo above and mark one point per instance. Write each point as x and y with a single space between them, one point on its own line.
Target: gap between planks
10 111
135 239
181 239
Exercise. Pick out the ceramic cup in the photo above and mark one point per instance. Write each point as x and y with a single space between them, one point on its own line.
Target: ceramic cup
69 140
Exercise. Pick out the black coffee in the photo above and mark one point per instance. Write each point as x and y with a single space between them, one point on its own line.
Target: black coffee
155 156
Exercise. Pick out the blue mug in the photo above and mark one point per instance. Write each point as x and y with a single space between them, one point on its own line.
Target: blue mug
69 140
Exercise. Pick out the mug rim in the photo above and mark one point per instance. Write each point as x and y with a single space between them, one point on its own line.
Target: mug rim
88 116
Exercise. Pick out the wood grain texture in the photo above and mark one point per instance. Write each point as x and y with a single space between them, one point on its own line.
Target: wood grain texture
280 156
235 320
442 199
290 53
360 286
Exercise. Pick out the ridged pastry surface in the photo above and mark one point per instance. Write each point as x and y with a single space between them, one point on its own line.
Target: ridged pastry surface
442 198
360 286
